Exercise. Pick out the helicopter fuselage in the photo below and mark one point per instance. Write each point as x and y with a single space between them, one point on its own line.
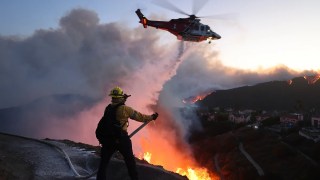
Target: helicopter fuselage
187 29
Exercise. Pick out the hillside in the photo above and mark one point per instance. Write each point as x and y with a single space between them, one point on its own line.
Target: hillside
299 93
26 158
280 158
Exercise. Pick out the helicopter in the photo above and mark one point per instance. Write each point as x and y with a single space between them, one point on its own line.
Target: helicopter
186 29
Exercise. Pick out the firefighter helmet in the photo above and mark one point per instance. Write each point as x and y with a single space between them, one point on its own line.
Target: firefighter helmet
116 92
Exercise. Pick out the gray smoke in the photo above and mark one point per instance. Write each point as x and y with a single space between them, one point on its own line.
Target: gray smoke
81 57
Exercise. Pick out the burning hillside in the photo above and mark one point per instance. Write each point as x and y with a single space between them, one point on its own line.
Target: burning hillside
193 173
164 145
312 79
194 99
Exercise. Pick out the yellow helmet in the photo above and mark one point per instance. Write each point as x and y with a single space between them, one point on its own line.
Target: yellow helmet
116 92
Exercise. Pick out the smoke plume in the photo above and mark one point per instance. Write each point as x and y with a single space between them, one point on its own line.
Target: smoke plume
80 57
85 58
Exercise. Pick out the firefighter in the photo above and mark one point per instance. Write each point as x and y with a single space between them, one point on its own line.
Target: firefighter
112 132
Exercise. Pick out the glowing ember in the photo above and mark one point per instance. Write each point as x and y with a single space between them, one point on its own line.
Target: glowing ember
194 174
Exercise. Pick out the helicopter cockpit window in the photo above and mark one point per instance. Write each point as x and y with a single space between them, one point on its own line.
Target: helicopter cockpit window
202 28
208 29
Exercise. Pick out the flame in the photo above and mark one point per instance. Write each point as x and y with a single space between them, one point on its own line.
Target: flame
198 98
289 82
194 99
173 156
194 174
191 173
312 79
162 144
147 156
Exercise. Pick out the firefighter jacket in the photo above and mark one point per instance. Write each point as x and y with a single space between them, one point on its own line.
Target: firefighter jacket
125 112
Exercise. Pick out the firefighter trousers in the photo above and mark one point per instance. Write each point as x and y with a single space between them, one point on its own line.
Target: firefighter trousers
124 146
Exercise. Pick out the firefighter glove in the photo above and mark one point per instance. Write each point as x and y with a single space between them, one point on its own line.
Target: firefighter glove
155 116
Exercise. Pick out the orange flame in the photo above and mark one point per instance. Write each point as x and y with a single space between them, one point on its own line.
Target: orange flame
173 156
191 173
147 157
312 79
194 174
193 100
198 98
164 146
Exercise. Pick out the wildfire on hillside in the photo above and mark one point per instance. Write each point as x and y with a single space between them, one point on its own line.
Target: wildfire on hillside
312 79
289 82
194 99
164 145
146 156
193 173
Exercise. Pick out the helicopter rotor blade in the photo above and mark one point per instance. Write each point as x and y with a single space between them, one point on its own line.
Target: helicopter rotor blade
198 5
225 16
167 5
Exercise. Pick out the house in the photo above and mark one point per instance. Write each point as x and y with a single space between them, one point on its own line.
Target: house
262 117
239 117
315 121
291 119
